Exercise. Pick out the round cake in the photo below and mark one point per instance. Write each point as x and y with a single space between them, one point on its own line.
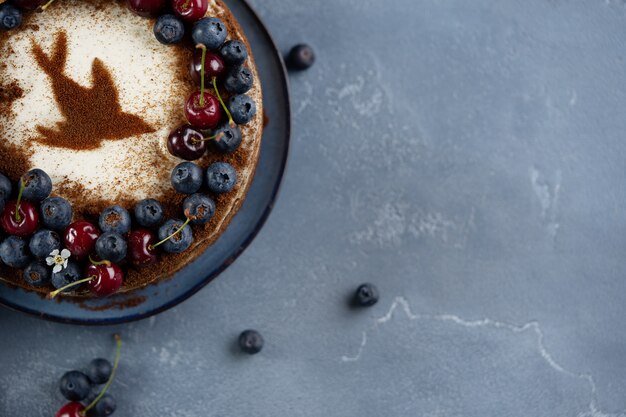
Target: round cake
111 105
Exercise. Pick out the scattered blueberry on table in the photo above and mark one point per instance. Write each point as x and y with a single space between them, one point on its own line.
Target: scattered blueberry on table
251 341
301 57
366 295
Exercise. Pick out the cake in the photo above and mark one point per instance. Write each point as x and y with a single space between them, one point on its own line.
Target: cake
92 98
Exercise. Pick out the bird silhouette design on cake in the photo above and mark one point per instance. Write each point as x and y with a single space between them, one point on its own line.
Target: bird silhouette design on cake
92 114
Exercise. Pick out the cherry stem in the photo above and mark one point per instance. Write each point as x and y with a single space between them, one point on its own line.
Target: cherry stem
186 5
214 137
231 123
73 284
180 229
96 263
202 73
118 349
45 6
19 199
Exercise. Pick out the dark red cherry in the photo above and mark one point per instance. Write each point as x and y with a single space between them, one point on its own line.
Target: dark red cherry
28 219
187 143
28 4
72 409
146 8
140 251
108 278
80 238
201 116
213 67
190 10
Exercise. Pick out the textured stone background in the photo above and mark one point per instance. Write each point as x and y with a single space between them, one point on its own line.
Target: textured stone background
466 156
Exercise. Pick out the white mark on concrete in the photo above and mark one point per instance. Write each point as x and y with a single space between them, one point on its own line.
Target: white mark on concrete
548 196
402 304
573 98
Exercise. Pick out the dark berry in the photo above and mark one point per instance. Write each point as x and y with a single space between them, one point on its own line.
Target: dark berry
221 177
186 177
99 371
37 274
111 246
80 238
5 191
146 8
200 208
114 219
203 116
37 185
242 108
73 409
140 250
210 32
56 213
103 408
238 80
43 242
179 242
187 143
14 252
75 385
107 278
301 57
66 276
169 30
10 17
149 212
190 10
366 295
28 4
234 53
213 67
28 218
251 341
228 140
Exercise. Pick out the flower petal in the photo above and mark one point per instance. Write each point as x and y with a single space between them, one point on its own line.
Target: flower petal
54 253
50 260
66 253
57 268
65 264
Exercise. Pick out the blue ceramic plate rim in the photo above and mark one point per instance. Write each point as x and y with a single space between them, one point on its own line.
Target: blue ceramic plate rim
238 251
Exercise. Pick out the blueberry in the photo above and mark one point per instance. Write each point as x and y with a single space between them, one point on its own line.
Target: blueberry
178 243
66 276
301 57
10 17
210 32
114 219
221 177
99 371
366 295
169 29
200 207
234 53
230 140
103 408
37 274
187 178
37 185
149 212
111 246
43 242
251 341
242 108
56 213
14 252
75 385
5 191
238 80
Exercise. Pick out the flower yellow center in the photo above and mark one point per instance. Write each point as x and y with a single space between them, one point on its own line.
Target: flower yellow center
59 260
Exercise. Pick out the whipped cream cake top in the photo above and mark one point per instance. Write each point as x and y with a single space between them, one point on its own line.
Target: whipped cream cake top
88 95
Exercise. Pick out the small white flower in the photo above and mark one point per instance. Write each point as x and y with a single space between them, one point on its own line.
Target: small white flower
59 260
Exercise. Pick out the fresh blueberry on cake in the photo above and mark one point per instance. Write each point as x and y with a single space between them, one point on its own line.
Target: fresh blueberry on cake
114 117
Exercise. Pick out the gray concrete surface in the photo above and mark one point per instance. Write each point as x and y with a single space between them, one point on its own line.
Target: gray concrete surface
466 156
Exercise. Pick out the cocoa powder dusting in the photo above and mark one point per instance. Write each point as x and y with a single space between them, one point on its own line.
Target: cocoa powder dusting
91 114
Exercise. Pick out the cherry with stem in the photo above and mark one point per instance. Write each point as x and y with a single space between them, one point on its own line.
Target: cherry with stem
116 363
231 122
18 218
70 285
